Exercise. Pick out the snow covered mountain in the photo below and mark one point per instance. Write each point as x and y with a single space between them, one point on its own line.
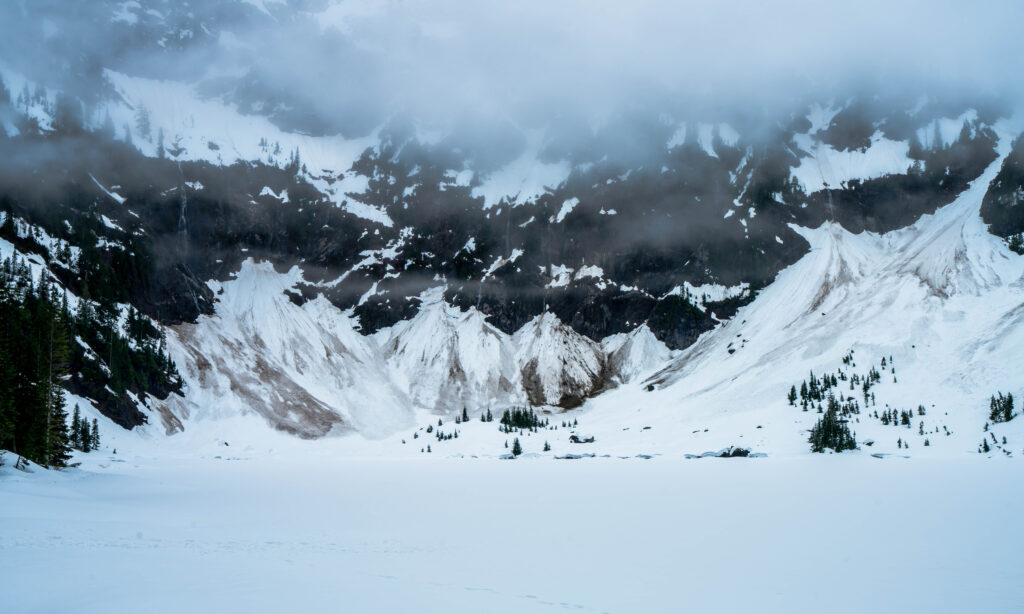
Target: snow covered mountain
449 359
633 354
306 369
560 366
334 264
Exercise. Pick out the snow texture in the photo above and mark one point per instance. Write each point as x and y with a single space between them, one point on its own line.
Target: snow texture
524 179
449 359
557 362
827 168
306 369
240 528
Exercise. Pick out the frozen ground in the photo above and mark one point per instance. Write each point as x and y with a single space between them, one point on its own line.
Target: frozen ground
290 532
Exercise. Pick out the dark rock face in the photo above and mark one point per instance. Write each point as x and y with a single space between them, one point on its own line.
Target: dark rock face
118 408
1003 207
673 222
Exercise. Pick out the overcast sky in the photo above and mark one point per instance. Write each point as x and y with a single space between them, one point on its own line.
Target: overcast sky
594 53
532 61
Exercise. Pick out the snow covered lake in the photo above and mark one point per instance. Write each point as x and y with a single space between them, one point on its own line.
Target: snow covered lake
294 533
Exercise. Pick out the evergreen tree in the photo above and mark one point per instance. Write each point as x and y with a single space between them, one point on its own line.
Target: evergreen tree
94 436
76 429
1001 408
58 443
160 151
67 116
465 415
516 448
85 436
142 123
1016 243
107 130
547 448
831 432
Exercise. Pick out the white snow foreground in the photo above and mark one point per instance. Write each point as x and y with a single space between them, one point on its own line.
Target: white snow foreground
307 370
188 523
309 532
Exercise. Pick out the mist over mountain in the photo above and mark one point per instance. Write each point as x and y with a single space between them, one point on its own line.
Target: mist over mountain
646 168
467 306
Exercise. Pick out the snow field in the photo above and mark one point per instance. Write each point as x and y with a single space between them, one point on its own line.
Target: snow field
314 532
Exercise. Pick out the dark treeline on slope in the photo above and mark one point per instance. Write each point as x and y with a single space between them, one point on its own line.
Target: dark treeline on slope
1003 207
47 346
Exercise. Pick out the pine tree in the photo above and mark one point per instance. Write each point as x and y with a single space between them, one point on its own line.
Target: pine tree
465 415
76 429
7 415
831 432
107 130
517 449
547 448
84 436
58 449
58 444
142 123
1016 243
792 395
94 436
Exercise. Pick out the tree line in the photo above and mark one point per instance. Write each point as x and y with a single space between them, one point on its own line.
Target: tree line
45 346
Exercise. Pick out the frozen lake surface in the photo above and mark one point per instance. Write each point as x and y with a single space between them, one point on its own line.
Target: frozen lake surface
845 533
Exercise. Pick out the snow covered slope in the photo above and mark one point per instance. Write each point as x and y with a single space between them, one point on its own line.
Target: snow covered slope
827 168
305 369
931 298
560 366
448 359
943 299
635 353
